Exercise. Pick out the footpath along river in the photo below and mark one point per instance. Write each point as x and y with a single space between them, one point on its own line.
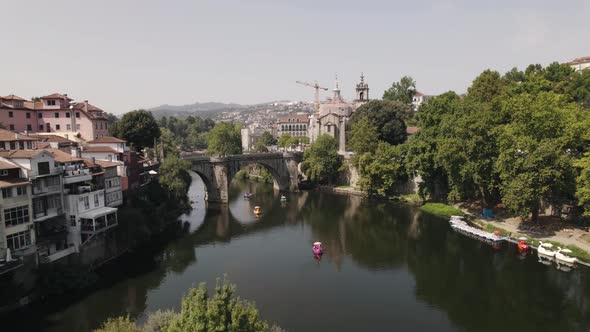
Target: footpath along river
387 267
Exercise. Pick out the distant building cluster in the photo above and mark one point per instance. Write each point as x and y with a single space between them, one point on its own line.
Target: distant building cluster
53 114
58 194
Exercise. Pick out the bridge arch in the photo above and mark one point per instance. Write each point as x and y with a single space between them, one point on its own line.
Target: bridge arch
217 173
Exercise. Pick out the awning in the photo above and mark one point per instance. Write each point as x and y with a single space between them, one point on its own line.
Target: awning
101 211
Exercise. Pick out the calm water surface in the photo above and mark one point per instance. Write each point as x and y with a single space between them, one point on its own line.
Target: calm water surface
387 267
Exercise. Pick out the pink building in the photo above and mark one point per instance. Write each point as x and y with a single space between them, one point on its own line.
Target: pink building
55 113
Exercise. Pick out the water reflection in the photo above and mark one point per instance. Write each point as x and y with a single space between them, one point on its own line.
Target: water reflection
386 266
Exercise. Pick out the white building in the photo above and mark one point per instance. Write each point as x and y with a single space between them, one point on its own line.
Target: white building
580 64
418 99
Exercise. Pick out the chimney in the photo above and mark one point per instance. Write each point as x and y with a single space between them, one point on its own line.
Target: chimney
86 105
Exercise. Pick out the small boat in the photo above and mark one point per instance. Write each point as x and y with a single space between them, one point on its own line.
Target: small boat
317 248
523 247
247 195
545 249
562 256
257 211
283 199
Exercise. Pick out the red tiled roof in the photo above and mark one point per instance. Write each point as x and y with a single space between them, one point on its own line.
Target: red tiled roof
82 106
23 154
63 157
107 139
108 164
13 97
98 149
7 135
419 94
7 165
412 130
13 182
52 138
583 59
56 96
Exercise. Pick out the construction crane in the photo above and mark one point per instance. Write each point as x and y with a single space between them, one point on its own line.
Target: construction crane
317 88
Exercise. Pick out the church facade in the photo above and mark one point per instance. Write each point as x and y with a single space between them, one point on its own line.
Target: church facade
333 115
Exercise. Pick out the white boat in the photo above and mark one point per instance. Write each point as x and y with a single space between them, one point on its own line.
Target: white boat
545 249
561 255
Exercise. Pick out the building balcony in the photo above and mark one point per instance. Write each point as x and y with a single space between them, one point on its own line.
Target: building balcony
74 176
44 190
45 214
98 220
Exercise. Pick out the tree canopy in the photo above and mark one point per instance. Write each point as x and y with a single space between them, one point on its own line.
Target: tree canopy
224 139
402 91
387 117
321 162
138 128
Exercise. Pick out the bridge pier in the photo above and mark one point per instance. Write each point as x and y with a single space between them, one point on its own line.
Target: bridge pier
217 173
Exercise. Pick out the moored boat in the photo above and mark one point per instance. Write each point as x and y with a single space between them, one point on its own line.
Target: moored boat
545 249
562 256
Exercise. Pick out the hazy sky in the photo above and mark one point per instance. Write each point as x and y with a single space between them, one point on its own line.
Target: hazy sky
123 55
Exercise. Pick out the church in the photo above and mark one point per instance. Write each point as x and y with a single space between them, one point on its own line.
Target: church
334 114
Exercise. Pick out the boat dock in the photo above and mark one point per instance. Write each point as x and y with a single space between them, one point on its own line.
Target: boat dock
458 224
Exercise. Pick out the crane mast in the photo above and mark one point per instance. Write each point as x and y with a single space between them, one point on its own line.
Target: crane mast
317 88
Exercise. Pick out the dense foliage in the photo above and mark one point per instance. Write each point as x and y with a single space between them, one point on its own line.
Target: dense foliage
321 162
386 116
224 139
402 91
200 312
174 177
189 133
138 128
515 138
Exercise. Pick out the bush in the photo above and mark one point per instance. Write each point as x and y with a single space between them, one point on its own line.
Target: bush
159 321
119 324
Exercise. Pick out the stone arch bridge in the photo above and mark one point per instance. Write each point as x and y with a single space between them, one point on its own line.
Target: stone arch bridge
217 172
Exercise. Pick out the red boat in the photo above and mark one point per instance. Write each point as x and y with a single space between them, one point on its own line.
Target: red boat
523 246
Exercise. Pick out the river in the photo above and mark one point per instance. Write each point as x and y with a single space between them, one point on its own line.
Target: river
387 267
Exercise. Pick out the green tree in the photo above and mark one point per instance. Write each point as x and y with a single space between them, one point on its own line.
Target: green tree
267 138
222 312
402 91
170 142
387 117
259 146
293 142
224 139
363 137
119 324
382 169
138 128
111 120
284 140
174 176
321 162
486 87
583 183
304 140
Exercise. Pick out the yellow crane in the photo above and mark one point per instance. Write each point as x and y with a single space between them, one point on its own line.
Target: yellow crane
317 88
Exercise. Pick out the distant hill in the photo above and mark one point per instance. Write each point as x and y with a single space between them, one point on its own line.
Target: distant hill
203 109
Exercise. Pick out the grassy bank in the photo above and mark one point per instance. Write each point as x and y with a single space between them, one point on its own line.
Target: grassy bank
441 210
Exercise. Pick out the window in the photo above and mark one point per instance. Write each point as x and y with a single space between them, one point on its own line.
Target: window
43 168
77 114
29 128
40 126
3 172
53 202
69 127
72 220
51 103
18 240
96 125
29 145
78 126
56 114
40 115
86 202
53 181
16 216
106 125
96 200
10 115
68 114
12 145
57 127
28 115
101 125
11 127
21 145
6 192
21 190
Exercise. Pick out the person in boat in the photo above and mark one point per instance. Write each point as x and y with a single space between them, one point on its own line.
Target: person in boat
317 248
283 198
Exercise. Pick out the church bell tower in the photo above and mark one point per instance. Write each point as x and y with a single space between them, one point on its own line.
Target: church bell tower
362 92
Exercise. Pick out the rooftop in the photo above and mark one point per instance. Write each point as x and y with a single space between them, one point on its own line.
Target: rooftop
108 164
107 139
63 157
98 149
21 154
13 97
412 130
583 59
299 118
52 138
13 182
56 96
7 136
7 165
